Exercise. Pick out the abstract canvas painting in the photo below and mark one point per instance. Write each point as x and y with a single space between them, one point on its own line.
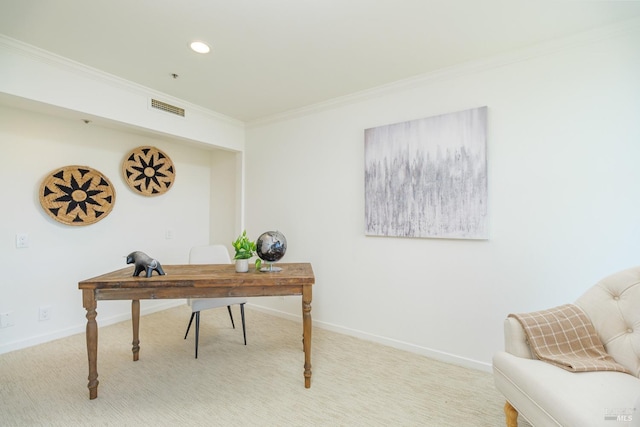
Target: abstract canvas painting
428 177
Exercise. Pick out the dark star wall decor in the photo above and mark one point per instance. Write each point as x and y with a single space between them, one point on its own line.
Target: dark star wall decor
77 195
148 171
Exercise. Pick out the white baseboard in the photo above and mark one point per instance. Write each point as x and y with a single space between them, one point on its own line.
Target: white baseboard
80 328
401 345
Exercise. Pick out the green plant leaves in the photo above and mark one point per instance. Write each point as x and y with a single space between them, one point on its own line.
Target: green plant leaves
244 247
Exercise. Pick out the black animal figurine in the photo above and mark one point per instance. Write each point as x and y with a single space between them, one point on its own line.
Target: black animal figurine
144 262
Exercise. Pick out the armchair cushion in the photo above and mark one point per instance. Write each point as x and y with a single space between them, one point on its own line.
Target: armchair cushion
548 396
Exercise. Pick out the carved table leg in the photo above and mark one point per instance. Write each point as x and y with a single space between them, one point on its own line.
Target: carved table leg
89 303
306 333
135 321
511 415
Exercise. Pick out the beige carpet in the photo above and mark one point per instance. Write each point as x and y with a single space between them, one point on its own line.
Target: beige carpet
354 383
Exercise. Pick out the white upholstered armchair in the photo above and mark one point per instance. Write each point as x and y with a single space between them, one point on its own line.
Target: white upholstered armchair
547 395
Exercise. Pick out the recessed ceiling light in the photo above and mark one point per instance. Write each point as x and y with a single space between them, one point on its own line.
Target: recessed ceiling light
200 47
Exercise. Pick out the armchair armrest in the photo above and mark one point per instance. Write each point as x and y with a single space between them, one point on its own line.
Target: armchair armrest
515 340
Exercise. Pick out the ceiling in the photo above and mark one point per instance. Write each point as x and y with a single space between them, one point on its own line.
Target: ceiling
269 57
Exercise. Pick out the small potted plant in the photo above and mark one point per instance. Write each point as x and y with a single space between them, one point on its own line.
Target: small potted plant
245 249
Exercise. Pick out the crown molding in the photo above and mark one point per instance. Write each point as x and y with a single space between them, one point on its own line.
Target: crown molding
548 48
619 29
45 57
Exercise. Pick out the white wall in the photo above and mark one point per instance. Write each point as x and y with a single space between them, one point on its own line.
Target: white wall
201 207
563 134
59 256
564 185
225 213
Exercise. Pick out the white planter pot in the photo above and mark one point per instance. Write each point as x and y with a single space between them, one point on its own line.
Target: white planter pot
242 265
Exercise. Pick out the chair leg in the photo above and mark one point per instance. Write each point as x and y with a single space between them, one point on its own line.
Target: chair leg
197 331
231 316
189 326
196 314
244 330
511 415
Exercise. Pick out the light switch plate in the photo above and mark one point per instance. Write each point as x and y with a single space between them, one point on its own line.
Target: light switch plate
22 240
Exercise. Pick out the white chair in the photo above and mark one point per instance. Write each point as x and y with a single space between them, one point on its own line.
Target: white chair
214 254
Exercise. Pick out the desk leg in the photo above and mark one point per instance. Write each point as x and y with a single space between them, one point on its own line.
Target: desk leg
135 321
306 333
89 303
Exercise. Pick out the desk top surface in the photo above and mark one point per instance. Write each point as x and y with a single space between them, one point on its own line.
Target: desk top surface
203 275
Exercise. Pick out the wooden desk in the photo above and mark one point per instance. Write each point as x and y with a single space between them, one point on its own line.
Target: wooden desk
193 281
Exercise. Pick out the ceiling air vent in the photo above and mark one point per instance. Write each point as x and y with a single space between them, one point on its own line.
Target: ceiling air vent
159 105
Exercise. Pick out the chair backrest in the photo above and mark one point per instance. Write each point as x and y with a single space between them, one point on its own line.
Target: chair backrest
212 254
613 305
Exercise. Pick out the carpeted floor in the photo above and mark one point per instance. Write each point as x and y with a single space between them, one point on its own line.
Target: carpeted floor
354 383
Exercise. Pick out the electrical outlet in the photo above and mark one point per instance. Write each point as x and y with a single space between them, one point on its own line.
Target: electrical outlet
6 319
168 234
22 240
44 313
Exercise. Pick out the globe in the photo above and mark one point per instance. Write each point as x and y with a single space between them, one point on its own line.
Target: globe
271 247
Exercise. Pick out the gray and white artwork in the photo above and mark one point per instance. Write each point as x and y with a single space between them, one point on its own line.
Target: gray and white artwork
428 177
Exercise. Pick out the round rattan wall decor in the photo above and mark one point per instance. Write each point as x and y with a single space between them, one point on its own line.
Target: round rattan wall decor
77 195
148 171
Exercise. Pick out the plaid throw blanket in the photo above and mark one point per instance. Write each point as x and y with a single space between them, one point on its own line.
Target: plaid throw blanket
565 337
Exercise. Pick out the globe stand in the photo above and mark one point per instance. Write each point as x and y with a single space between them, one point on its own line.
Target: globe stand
270 268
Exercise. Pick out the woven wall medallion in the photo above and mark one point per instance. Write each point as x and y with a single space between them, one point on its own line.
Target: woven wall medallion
77 195
148 171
